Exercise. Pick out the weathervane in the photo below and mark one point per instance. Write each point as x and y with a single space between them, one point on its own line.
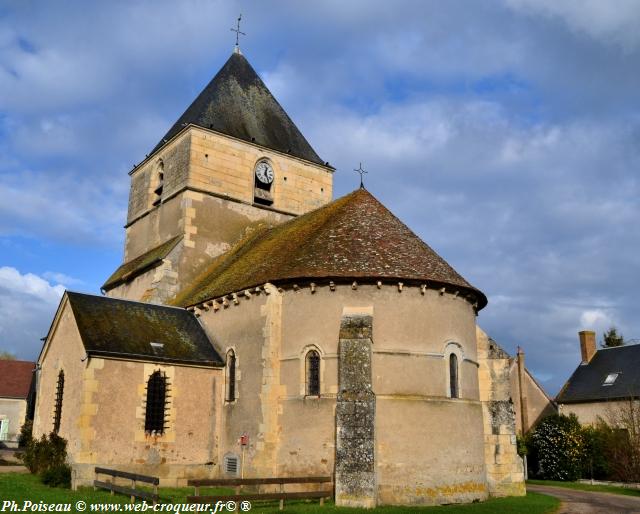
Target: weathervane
238 32
362 172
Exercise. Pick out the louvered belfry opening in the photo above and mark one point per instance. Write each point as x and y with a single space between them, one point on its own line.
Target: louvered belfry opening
154 420
453 375
313 373
231 376
57 413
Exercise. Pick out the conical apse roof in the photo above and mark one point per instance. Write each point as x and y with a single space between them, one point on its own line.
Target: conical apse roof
354 237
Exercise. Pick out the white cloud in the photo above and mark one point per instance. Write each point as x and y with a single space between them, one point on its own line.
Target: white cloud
61 278
596 319
12 281
27 305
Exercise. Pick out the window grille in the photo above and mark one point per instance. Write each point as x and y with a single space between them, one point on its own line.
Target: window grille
156 403
57 413
231 376
453 375
231 464
313 373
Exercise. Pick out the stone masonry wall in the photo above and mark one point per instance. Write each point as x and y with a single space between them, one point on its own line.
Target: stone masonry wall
355 414
505 475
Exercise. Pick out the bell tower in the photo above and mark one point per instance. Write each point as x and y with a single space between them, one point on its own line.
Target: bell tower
232 161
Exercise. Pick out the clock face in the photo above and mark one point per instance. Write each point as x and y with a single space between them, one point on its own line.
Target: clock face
264 172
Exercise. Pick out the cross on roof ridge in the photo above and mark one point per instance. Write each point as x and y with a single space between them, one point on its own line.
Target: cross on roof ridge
238 31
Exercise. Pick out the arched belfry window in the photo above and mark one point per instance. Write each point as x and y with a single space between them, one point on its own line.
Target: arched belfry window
313 373
158 183
154 419
453 376
231 376
57 413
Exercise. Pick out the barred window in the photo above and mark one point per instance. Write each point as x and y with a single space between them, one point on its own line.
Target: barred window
57 413
313 373
453 376
156 403
231 376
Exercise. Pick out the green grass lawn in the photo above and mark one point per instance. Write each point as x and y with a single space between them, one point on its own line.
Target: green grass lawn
588 487
21 487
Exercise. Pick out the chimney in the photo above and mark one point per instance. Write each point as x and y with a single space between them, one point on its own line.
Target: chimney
587 345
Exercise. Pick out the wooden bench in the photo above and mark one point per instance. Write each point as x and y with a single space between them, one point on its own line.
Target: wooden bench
129 491
281 495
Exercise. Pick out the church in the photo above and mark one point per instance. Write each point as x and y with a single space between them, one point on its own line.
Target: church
258 328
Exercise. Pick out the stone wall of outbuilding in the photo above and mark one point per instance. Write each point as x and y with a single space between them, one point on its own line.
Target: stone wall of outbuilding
505 471
103 411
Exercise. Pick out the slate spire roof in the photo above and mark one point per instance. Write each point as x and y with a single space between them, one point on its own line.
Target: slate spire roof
237 103
353 237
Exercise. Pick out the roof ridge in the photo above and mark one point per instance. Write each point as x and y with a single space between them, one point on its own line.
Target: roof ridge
124 300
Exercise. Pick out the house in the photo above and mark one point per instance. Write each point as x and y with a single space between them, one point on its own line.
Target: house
17 391
603 383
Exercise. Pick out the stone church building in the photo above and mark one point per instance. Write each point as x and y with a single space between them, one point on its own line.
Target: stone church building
257 328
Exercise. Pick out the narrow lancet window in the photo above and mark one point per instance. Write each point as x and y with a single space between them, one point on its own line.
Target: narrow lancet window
313 373
231 376
156 403
159 184
453 376
57 414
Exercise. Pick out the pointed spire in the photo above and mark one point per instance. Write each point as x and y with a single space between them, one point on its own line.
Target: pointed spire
237 103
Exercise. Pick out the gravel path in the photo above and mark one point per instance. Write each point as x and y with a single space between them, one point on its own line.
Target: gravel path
589 502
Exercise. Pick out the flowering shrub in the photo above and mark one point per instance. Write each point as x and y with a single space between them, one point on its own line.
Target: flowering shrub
558 447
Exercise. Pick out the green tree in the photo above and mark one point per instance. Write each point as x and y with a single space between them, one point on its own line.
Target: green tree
612 339
7 356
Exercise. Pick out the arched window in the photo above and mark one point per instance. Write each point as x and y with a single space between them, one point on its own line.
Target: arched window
156 403
231 376
313 373
57 413
453 376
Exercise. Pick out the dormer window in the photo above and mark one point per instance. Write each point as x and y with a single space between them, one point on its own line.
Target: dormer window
610 380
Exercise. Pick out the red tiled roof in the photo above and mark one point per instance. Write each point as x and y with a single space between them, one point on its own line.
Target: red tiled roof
15 378
353 237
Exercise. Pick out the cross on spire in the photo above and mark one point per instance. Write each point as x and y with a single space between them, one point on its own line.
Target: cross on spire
362 172
238 32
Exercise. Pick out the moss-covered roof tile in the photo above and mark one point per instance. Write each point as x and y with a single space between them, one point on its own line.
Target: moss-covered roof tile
141 263
123 328
352 237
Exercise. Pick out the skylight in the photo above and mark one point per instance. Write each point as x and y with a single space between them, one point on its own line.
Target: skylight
157 348
611 378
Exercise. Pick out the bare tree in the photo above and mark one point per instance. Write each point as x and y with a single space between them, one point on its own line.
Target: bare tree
624 439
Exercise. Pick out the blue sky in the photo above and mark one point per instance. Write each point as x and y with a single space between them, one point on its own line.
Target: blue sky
505 133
